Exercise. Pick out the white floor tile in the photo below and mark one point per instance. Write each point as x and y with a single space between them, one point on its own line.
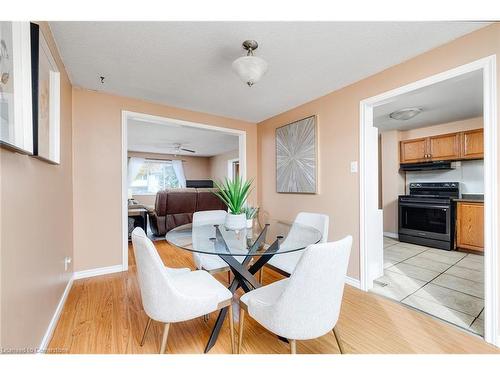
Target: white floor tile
461 285
471 263
466 273
398 286
427 263
440 257
478 327
450 298
440 311
410 270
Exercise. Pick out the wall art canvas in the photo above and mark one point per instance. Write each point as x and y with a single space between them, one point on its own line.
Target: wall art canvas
15 87
296 157
46 99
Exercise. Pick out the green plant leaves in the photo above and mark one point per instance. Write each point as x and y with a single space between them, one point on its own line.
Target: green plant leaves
234 193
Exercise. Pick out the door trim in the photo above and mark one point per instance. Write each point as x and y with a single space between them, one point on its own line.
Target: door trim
370 212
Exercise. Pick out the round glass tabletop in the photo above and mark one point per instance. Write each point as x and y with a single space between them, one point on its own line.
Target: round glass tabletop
205 239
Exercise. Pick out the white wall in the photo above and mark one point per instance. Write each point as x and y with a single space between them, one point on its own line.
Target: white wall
469 173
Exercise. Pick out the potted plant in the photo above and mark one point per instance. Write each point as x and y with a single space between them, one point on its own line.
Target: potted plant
234 194
251 213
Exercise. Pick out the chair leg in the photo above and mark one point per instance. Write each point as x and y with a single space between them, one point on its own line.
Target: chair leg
293 346
338 341
261 275
148 324
163 348
240 332
231 327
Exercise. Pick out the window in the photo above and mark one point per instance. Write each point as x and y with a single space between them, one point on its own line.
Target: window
154 175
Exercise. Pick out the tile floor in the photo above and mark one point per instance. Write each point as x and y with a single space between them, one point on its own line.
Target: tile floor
446 284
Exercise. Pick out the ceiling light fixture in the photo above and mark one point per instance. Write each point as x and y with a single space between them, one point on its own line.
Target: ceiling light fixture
405 113
250 68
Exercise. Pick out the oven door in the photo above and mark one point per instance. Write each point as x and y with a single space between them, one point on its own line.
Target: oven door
424 219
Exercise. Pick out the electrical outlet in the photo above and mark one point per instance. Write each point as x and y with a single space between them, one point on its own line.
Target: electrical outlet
67 262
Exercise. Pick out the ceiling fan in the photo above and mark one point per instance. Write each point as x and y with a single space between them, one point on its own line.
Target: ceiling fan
178 147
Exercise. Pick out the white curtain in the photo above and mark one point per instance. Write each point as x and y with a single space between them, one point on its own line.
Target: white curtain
134 166
179 172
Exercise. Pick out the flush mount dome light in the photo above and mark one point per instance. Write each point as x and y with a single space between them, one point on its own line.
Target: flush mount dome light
250 68
405 113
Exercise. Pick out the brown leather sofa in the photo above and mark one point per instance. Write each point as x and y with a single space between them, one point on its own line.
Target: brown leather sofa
175 207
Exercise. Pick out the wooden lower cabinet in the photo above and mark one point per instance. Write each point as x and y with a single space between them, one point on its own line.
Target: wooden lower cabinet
470 226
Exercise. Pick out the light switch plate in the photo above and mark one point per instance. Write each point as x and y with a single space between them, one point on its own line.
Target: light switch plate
354 167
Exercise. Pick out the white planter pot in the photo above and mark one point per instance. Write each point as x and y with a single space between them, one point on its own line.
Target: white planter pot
235 222
249 223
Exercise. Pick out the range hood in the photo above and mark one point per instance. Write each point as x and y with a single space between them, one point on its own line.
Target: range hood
427 166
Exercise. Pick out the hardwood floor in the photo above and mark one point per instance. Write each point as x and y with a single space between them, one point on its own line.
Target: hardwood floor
104 315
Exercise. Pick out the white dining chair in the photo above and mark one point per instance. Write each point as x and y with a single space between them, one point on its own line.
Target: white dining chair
286 263
211 263
172 295
307 304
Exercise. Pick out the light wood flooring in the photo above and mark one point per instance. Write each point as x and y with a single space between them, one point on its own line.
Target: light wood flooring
104 315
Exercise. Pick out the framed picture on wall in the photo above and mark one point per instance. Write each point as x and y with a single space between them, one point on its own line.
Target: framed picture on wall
296 157
45 78
16 132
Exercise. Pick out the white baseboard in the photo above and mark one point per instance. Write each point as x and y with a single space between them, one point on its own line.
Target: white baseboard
391 235
353 282
97 272
55 318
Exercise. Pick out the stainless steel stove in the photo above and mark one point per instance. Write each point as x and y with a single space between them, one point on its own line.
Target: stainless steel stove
427 214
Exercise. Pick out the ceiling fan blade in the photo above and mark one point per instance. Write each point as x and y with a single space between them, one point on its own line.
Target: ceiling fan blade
188 150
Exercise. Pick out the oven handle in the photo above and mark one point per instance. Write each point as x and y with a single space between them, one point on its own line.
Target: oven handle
419 205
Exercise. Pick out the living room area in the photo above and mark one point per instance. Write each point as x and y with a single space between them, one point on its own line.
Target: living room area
171 170
195 187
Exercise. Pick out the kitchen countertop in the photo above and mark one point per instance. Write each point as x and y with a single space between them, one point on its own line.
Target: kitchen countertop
474 198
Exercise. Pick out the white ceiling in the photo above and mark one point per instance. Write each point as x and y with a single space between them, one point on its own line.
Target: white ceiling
188 64
158 137
455 99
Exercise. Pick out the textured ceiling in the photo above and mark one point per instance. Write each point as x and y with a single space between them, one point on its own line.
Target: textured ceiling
455 99
188 64
145 136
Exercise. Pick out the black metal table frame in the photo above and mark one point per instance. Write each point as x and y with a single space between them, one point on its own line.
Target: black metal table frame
243 272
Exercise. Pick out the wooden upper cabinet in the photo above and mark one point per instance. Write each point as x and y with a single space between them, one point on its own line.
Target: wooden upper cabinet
444 147
470 226
413 150
472 144
455 146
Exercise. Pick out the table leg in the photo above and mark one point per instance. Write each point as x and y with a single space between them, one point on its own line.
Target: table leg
243 276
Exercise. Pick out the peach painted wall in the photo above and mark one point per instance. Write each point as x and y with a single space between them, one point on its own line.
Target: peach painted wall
338 124
97 169
218 164
393 182
37 231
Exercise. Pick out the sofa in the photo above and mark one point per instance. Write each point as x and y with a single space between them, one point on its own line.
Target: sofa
175 207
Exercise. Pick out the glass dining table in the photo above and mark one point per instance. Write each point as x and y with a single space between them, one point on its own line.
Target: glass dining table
245 251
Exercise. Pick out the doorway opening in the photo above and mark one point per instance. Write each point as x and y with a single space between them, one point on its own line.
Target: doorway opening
179 158
428 230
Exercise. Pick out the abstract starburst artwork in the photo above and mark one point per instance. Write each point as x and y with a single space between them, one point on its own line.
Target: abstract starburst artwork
296 157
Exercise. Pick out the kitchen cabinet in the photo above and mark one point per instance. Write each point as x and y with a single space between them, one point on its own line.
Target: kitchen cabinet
453 146
413 150
470 225
444 147
472 144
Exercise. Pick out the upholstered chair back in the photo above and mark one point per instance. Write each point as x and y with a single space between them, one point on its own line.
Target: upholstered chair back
309 305
317 221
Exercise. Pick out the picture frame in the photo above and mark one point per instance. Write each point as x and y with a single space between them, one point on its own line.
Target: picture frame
16 131
45 78
297 157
